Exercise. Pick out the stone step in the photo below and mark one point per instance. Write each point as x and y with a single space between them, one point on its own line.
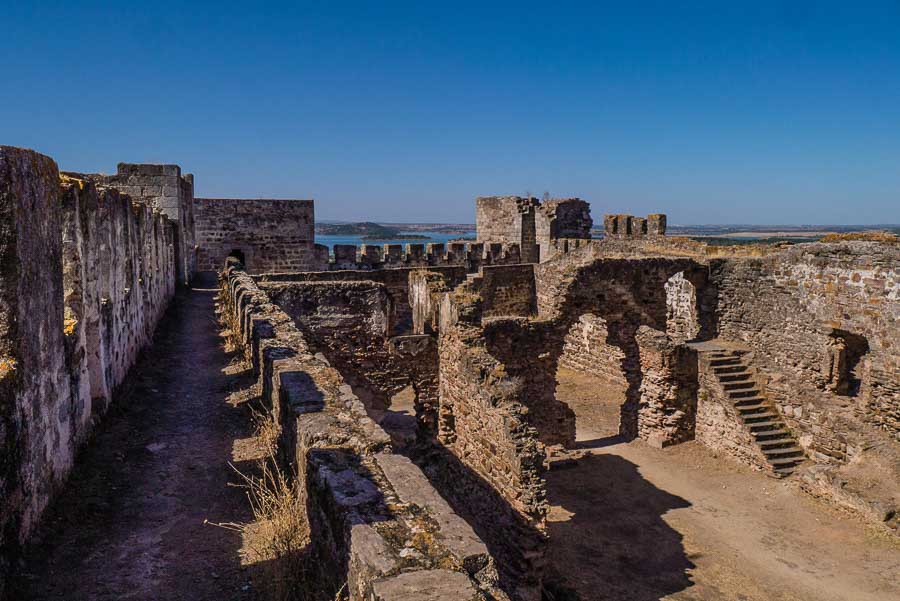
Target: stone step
750 400
741 394
734 377
764 435
764 426
787 453
725 361
776 442
754 408
778 461
731 369
739 385
753 418
784 471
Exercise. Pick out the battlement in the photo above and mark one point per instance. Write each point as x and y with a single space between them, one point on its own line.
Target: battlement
472 255
629 226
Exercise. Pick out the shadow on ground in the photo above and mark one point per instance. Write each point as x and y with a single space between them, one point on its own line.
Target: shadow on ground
608 538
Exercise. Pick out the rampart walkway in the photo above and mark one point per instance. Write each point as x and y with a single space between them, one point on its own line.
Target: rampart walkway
130 523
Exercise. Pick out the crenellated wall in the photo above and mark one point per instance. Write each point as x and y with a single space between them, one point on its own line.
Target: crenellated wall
470 255
85 275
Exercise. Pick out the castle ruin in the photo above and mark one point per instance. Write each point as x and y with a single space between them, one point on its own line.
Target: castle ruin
785 359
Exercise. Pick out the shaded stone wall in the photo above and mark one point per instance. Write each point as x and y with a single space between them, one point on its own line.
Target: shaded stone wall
490 463
797 310
349 323
271 235
376 523
507 290
396 283
85 275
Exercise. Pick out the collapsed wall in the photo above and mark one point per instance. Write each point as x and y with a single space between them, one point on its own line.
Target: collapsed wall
85 275
376 523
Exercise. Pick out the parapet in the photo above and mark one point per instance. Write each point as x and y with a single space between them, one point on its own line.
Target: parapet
472 255
629 226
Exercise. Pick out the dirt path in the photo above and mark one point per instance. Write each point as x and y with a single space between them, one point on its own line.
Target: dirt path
130 523
630 522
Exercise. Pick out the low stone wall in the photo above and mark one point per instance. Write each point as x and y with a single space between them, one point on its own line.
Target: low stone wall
85 275
376 523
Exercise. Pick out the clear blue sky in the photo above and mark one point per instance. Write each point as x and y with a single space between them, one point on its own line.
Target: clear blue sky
714 112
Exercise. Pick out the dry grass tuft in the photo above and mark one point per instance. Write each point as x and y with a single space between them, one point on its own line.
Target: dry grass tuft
278 538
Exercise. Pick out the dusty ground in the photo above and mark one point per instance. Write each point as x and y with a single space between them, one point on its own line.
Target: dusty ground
132 521
630 522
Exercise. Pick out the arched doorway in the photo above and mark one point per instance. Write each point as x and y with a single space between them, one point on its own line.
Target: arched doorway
239 255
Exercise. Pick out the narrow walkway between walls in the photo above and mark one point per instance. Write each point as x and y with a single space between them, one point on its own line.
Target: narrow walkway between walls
132 522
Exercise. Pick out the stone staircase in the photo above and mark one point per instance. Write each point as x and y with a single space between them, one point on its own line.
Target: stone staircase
739 380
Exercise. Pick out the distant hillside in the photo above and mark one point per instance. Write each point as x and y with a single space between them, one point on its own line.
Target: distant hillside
365 228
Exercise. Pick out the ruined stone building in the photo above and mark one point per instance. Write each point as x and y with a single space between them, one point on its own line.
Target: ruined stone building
786 359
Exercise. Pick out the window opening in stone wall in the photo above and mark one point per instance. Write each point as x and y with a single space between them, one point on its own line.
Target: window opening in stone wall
239 255
682 319
844 362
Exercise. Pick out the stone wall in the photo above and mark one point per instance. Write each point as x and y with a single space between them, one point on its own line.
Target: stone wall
587 350
823 321
396 283
507 290
161 187
270 235
559 219
508 220
489 461
85 275
376 523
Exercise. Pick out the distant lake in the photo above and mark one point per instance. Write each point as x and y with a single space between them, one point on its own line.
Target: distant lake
433 238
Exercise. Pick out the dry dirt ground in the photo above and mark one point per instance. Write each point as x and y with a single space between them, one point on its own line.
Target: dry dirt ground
133 520
630 522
